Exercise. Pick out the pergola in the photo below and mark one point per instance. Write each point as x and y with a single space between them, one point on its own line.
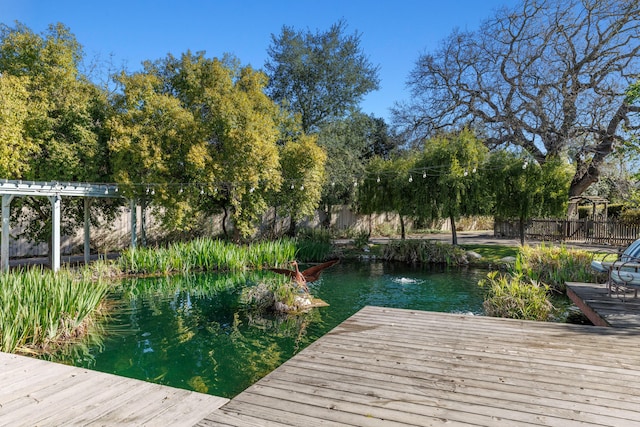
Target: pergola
54 191
593 200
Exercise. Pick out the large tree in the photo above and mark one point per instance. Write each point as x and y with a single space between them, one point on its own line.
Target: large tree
388 187
447 179
549 76
56 118
204 124
322 76
523 189
15 146
350 143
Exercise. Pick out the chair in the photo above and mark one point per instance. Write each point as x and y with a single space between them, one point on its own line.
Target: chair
623 274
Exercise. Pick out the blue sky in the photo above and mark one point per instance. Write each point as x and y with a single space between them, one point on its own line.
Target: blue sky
393 33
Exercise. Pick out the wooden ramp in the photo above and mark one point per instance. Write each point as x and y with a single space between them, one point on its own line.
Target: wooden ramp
390 367
617 310
39 393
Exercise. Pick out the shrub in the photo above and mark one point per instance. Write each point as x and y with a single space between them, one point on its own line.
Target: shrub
630 216
554 265
424 251
361 239
517 297
313 245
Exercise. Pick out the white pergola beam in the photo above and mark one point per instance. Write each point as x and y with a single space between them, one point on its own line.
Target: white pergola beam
48 189
54 191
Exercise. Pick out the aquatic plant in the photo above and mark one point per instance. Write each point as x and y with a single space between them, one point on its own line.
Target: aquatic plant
41 309
516 296
205 254
554 265
313 245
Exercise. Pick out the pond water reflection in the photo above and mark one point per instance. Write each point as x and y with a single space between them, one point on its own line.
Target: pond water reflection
194 333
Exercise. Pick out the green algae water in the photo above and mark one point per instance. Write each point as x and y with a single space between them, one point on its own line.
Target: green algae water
194 333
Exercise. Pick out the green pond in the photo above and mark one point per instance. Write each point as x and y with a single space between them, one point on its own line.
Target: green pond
194 333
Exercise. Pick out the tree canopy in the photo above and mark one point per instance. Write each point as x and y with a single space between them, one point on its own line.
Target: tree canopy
54 118
321 76
548 76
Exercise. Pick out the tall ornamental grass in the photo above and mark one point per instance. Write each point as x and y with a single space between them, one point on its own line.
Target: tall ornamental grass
207 255
524 291
554 265
41 309
516 297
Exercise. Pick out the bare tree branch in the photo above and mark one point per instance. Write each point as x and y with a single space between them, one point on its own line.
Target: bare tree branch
549 76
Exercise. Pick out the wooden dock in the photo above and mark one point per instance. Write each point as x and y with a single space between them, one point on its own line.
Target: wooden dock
39 393
390 367
617 310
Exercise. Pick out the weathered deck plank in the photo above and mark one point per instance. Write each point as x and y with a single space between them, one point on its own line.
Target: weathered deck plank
400 367
603 310
35 392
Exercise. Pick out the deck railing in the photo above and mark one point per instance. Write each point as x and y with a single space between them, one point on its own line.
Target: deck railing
612 233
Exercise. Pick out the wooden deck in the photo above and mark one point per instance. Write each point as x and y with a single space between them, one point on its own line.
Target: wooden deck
603 310
39 393
390 367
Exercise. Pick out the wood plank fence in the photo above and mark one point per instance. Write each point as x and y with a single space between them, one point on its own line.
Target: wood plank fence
612 233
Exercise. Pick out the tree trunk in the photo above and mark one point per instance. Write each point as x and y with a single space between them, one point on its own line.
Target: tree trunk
521 226
454 233
224 222
402 231
326 222
292 228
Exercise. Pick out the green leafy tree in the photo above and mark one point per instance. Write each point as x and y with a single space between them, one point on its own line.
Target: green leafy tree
303 170
350 144
62 131
389 187
523 189
214 131
15 147
154 144
448 184
321 76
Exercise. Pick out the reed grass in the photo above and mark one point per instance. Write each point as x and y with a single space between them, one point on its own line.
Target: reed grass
41 309
204 254
554 265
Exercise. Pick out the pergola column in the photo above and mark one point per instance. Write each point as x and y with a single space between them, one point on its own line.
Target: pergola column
87 231
55 232
134 226
4 243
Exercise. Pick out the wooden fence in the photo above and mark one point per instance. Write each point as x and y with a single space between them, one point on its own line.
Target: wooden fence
612 233
116 235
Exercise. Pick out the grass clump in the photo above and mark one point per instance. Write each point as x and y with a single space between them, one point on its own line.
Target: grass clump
554 265
517 297
42 309
524 291
424 251
313 245
205 254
